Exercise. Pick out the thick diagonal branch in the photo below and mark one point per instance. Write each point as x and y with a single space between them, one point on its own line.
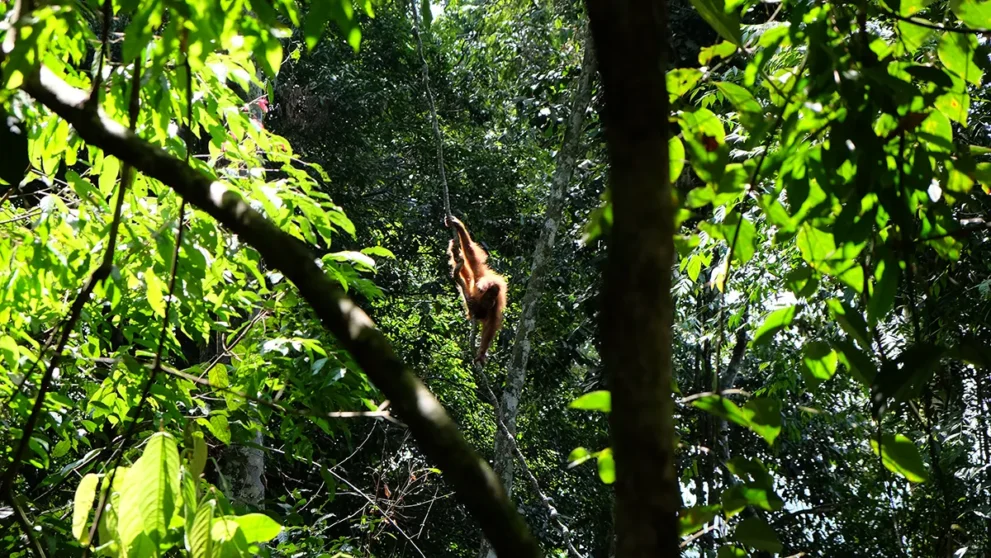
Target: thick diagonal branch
474 482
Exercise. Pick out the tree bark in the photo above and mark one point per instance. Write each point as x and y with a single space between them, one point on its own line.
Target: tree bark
565 164
637 316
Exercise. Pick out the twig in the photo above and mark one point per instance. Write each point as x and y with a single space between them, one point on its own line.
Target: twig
363 495
379 413
127 176
534 485
934 26
699 534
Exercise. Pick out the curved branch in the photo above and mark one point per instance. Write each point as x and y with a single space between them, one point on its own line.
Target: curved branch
474 482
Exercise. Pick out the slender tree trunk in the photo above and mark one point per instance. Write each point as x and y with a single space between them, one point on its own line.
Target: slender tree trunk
630 41
244 465
565 164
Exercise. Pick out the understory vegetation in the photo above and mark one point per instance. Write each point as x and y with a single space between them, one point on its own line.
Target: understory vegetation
746 246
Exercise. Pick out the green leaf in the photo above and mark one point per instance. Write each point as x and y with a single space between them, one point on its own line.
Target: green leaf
426 13
108 175
913 36
909 8
218 377
856 361
819 249
820 362
773 323
740 98
148 496
198 462
82 504
760 415
739 496
607 466
705 137
593 401
692 519
219 427
887 273
744 249
956 52
851 321
754 532
316 22
258 527
727 25
900 456
954 105
676 158
731 551
272 59
764 416
974 13
578 456
724 49
681 81
200 541
904 378
937 132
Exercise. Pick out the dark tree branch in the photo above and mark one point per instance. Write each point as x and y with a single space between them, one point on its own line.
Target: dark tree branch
473 480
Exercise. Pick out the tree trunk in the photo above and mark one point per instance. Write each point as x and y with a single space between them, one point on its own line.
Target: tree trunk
244 467
565 164
637 316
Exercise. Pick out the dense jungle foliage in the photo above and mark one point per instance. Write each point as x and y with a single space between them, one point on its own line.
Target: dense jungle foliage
747 247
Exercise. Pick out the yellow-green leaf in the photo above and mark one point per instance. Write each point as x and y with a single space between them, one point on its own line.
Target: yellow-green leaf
81 506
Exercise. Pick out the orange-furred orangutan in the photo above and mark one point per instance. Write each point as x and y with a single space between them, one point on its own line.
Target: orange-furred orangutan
483 290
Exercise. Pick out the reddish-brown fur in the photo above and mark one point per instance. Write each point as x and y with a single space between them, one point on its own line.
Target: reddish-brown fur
483 290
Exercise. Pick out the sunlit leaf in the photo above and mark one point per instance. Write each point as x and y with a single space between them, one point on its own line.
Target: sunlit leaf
974 13
900 456
258 527
676 158
956 52
820 362
148 496
82 505
200 541
773 323
724 49
593 401
606 466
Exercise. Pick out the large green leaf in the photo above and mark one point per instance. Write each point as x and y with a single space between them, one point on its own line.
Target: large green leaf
593 401
820 362
756 533
726 24
257 527
200 541
149 495
904 378
692 519
760 415
974 13
82 505
956 51
773 323
901 457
